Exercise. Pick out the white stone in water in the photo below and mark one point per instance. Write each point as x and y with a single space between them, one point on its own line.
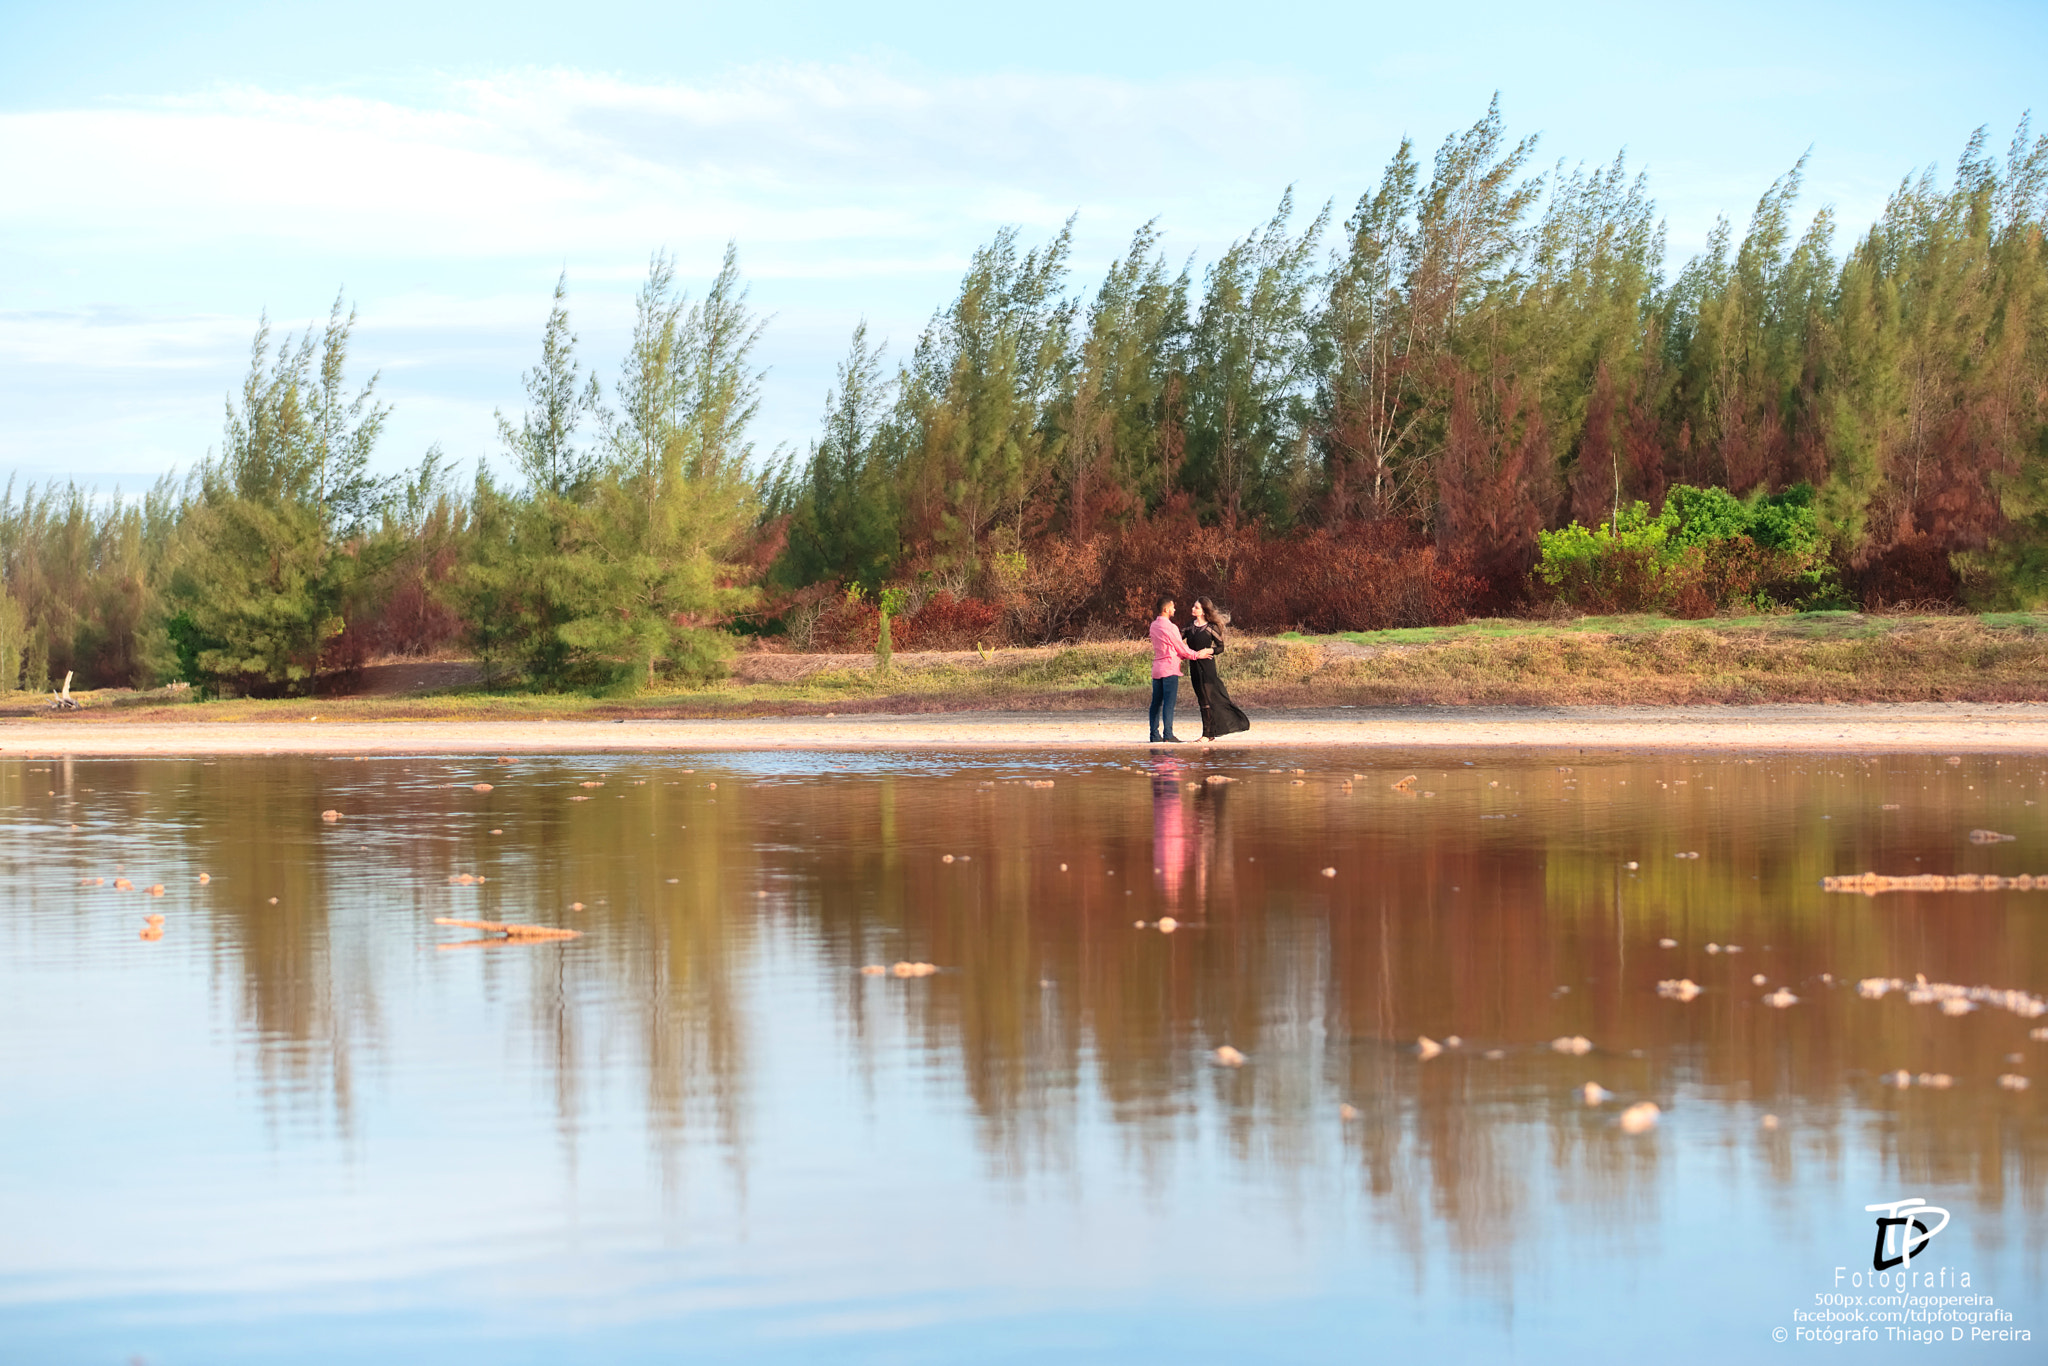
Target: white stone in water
1713 948
1956 1005
1427 1048
1769 1121
1347 1111
1578 1045
1667 943
1167 924
1227 1056
1329 872
1595 1094
1758 980
2012 1081
1901 1079
1640 1118
1780 999
1452 1041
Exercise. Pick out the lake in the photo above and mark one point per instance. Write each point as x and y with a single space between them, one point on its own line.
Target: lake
308 1123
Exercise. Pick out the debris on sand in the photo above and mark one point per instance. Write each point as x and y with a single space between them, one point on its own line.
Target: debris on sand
1640 1118
509 931
1921 992
1871 884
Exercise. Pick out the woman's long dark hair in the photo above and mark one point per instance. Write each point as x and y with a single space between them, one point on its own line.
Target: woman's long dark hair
1213 617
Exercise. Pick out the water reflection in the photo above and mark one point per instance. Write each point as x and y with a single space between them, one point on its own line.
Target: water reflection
727 904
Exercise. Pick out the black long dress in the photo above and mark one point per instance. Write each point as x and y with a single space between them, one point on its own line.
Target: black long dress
1220 715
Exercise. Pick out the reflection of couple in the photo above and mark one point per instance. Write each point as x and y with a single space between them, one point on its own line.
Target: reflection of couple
1201 645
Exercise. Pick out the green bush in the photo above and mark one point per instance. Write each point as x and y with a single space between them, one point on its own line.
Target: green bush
1705 551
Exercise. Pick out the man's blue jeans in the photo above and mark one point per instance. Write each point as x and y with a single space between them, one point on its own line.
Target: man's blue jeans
1165 691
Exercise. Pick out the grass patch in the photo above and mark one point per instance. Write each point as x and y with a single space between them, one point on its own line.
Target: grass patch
1810 657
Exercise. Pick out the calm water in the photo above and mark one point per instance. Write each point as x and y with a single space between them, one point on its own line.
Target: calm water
323 1128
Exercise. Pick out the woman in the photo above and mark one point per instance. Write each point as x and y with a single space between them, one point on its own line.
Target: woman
1220 715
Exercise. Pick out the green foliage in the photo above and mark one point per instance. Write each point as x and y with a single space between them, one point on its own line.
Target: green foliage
1705 548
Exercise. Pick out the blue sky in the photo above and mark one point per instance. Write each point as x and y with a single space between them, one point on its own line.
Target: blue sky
167 173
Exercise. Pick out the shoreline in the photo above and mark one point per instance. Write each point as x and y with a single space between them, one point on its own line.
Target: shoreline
1877 727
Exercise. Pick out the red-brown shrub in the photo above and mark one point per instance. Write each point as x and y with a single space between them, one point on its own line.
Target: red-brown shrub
947 623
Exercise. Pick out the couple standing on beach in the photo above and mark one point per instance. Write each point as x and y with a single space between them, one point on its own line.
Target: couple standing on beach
1201 645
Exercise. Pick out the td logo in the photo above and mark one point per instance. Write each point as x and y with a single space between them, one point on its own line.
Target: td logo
1897 1222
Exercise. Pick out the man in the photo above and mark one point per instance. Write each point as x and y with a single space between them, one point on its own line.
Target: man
1168 650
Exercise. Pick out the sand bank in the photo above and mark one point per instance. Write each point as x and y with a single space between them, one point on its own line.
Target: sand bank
1945 727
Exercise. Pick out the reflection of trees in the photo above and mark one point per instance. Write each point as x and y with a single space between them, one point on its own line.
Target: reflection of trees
1507 932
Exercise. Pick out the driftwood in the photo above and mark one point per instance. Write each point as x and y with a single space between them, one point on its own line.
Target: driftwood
64 701
509 931
1870 884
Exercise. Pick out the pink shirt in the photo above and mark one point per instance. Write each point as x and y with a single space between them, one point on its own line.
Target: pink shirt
1168 649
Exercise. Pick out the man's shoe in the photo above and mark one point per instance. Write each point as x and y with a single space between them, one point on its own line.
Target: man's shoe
1175 740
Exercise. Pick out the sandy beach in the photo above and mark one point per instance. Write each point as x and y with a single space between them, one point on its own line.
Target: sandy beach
1946 727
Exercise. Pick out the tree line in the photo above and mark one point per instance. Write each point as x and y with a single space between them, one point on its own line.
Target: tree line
1388 418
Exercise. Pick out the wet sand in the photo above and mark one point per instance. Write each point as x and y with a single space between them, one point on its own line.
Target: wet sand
1943 727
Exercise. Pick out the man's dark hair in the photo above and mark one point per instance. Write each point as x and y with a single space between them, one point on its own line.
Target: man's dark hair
1159 603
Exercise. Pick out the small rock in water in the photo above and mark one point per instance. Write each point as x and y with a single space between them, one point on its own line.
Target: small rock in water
1989 837
1780 999
2012 1081
1901 1079
330 815
914 969
947 858
1427 1048
152 920
1494 1054
1329 872
1063 867
1731 948
874 970
273 901
1713 948
1679 989
1769 1121
205 878
1595 1094
1631 865
575 905
480 787
1758 980
1347 1111
1578 1045
1939 1081
1405 783
1167 924
1640 1118
1227 1056
152 932
155 889
1137 924
1667 943
1452 1041
2038 1034
1956 1005
1953 760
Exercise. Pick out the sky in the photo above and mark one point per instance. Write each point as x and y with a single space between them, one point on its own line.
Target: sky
171 174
